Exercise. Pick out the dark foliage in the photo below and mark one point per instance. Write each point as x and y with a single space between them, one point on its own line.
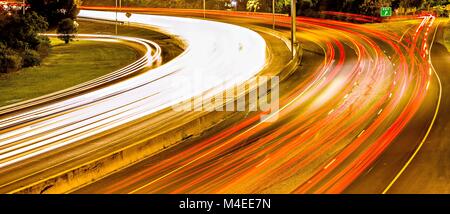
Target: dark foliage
55 10
66 30
20 43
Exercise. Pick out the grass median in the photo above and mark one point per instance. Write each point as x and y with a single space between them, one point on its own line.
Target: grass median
78 62
66 66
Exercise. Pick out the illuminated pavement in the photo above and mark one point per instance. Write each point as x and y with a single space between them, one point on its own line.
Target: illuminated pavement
428 172
336 119
35 143
361 87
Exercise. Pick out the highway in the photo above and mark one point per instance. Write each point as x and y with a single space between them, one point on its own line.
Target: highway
358 89
338 114
428 171
31 136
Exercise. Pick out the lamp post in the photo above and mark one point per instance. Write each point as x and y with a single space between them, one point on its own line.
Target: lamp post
116 17
294 25
204 9
273 14
120 6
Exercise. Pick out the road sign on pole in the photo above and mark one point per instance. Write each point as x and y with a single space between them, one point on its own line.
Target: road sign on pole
386 11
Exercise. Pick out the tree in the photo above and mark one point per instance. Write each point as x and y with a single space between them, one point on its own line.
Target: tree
55 10
395 4
283 6
432 3
20 42
67 29
21 31
372 7
9 59
330 5
31 58
307 7
253 5
411 3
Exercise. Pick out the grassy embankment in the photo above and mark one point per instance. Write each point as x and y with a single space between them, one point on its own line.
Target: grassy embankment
66 66
78 62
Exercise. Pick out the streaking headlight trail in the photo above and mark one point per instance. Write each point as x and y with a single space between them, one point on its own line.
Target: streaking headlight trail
221 54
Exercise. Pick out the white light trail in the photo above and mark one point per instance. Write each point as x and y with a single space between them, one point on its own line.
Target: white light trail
219 55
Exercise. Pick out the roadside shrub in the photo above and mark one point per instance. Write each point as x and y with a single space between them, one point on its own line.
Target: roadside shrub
44 46
20 43
31 58
10 63
66 30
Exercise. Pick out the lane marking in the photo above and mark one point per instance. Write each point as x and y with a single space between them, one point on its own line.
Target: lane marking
360 134
262 162
379 112
329 164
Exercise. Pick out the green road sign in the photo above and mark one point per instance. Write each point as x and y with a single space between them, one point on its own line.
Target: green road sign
386 11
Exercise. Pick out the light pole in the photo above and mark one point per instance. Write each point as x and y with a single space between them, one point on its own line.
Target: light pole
23 7
204 9
273 13
120 6
294 25
116 17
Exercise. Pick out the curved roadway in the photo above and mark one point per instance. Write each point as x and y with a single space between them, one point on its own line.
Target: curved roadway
216 52
334 123
335 119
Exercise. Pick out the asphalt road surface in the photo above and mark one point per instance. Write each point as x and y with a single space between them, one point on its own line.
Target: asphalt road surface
334 122
429 171
359 94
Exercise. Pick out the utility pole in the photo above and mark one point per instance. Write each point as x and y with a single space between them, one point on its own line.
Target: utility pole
273 13
294 25
116 17
204 9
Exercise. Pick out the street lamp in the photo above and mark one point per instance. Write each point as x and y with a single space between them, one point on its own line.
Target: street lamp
294 25
273 13
120 5
204 9
116 17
